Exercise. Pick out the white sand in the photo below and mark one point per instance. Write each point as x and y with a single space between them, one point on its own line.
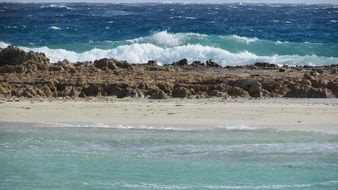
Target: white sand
308 114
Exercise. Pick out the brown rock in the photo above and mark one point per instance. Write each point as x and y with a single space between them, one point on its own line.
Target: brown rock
91 90
265 65
216 93
181 92
282 70
5 90
197 64
304 91
166 87
47 91
210 63
253 87
182 62
314 73
120 91
71 91
307 82
66 65
159 94
123 65
238 92
15 56
152 63
319 71
24 91
319 82
308 76
333 86
136 93
105 64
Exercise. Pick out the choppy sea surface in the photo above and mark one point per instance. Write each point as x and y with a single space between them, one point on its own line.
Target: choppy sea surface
230 34
52 157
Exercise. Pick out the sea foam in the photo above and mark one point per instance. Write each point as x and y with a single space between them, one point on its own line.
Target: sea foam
4 44
142 52
226 50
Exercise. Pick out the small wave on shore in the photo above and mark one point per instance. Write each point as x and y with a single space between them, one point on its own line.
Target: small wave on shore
156 128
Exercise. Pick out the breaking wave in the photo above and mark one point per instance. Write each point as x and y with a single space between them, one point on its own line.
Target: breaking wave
141 53
168 47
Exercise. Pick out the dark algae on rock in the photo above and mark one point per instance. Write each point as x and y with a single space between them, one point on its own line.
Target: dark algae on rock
31 74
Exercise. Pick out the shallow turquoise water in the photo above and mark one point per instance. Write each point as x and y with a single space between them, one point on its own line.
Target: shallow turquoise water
113 158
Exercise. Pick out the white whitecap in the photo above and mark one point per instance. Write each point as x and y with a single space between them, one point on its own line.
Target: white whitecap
55 28
55 6
166 39
142 52
190 18
242 39
4 44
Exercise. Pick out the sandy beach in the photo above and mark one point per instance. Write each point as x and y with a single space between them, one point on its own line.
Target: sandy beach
295 114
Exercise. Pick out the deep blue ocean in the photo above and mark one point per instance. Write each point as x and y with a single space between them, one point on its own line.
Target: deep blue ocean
231 34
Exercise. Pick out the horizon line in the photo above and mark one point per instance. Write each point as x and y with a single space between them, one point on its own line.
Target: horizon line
169 2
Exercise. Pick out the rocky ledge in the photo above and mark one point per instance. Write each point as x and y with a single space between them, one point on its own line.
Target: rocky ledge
31 75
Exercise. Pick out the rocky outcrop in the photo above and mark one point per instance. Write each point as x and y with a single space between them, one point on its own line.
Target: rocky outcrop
197 64
299 91
15 56
181 92
105 64
211 63
252 86
31 75
265 65
238 92
159 94
183 62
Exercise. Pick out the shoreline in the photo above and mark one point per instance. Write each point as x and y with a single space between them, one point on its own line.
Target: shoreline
289 114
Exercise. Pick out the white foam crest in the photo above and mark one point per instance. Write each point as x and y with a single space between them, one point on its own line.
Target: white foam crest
190 18
4 44
243 39
56 6
55 28
166 39
141 53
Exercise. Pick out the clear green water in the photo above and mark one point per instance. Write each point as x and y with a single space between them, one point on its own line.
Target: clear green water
113 158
